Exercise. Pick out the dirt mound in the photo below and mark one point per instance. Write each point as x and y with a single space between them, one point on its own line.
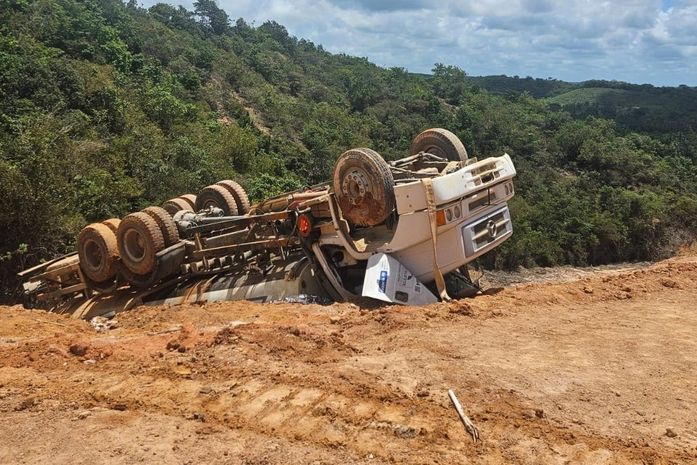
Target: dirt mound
598 369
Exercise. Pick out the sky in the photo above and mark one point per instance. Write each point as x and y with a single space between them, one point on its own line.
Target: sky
638 41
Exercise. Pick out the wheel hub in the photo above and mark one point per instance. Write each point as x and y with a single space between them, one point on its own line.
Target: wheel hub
437 151
93 256
134 246
354 186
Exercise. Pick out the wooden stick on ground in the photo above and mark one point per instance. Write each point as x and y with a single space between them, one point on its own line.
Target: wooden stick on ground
469 426
50 322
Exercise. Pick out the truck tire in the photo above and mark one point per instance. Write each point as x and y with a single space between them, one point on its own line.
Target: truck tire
167 226
112 223
364 187
440 142
98 252
216 196
139 239
172 206
238 192
190 199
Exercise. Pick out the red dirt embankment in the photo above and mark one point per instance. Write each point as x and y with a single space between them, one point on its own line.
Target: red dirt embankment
601 369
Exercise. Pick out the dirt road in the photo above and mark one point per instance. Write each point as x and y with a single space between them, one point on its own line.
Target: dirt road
598 369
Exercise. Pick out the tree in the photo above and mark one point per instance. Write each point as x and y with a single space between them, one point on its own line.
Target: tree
449 82
213 17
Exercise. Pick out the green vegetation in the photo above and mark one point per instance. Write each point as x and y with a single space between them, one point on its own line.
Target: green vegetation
585 96
106 108
656 110
660 111
538 88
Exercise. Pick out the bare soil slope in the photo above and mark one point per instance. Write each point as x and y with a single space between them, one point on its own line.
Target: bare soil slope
601 368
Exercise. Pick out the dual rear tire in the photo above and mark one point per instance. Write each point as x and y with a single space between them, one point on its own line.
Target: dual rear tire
134 241
142 235
98 252
217 197
226 195
185 202
238 193
139 239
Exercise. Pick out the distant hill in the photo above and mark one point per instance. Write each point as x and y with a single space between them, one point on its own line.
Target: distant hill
634 107
538 88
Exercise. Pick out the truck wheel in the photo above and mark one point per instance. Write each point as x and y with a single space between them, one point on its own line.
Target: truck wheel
139 239
172 206
364 187
167 226
190 199
440 142
98 252
112 223
217 196
238 192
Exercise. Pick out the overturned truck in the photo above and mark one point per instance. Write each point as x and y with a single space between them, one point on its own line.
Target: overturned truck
399 231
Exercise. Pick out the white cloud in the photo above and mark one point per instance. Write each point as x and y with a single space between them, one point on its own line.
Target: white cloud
633 40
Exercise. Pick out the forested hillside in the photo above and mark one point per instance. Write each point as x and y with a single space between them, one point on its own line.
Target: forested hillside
538 88
645 108
106 107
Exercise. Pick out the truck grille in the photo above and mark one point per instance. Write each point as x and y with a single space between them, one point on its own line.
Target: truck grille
486 231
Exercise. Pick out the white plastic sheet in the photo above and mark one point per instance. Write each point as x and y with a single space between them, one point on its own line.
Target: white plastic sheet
388 280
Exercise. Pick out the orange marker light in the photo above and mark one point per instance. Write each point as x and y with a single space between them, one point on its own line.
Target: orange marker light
304 225
440 217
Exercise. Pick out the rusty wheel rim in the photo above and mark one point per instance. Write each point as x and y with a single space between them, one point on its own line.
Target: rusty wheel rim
135 245
93 254
355 185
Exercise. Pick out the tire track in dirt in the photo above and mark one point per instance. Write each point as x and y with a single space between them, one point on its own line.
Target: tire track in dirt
394 431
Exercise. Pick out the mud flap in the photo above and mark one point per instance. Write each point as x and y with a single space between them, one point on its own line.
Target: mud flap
388 280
